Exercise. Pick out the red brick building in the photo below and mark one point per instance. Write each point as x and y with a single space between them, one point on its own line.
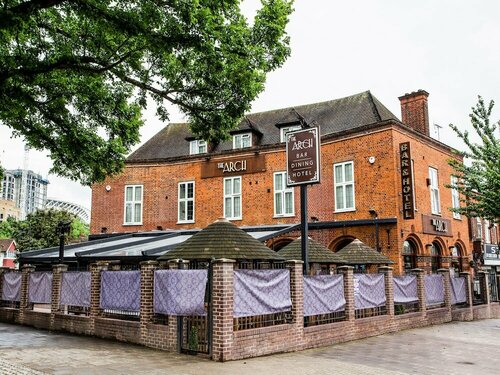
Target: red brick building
382 181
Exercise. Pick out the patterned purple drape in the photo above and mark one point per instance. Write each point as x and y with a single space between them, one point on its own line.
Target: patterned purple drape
75 289
369 291
121 290
11 287
40 287
323 294
458 294
261 292
180 292
434 289
405 289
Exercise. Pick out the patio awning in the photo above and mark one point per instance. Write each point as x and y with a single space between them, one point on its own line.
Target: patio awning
135 246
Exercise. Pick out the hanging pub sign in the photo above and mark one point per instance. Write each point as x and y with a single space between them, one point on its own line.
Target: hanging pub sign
303 158
406 181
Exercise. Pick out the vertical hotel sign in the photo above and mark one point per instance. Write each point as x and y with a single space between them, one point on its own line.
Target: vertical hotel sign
406 181
302 155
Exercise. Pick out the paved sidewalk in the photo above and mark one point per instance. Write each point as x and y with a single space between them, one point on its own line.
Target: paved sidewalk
454 348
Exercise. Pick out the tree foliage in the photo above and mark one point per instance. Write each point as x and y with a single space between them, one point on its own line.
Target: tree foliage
75 75
39 229
7 228
479 180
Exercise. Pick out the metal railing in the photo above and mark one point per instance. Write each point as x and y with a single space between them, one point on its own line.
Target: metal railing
370 312
405 308
260 321
316 320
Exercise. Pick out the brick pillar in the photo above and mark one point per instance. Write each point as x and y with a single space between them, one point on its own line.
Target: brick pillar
57 271
147 279
23 306
347 271
485 286
222 309
174 321
422 303
389 289
468 288
2 271
445 272
297 295
95 290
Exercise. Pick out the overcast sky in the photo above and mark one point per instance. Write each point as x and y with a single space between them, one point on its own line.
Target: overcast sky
390 47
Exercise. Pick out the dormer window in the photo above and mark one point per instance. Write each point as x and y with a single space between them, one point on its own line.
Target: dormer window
198 146
287 129
242 140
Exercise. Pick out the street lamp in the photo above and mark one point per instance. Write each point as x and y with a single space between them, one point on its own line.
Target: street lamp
62 229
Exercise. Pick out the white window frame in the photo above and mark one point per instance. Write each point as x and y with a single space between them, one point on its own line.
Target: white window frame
232 197
344 184
287 129
283 192
479 229
487 232
434 191
242 137
133 202
196 145
455 197
185 200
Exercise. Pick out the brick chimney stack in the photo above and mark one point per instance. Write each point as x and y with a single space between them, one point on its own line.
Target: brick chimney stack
414 111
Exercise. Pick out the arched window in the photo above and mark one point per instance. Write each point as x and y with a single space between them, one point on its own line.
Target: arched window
409 255
456 258
435 256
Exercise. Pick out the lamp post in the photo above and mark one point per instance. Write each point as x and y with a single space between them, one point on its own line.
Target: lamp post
62 229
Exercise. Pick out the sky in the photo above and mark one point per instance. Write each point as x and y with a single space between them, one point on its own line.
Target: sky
340 48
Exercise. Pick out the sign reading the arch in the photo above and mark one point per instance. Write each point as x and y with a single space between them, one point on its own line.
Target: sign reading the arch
303 158
406 181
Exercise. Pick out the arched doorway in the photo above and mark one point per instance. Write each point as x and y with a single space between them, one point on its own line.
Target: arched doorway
409 255
436 254
280 243
340 243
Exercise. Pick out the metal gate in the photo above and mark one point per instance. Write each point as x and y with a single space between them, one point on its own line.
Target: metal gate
194 333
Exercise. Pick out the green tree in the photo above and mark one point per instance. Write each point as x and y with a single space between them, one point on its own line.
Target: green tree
479 177
39 229
7 228
75 75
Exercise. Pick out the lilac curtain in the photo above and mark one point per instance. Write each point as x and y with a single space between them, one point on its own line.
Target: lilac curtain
405 289
261 292
180 292
75 289
434 289
121 290
369 291
40 287
323 294
458 290
11 287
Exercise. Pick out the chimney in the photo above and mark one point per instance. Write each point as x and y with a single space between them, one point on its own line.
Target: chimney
414 111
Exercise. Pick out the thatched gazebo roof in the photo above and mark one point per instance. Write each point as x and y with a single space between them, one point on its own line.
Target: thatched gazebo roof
359 253
221 239
316 252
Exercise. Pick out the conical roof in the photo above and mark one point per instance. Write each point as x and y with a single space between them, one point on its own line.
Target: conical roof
316 252
221 239
359 253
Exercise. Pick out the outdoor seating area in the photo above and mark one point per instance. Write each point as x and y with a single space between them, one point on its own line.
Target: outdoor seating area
223 310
